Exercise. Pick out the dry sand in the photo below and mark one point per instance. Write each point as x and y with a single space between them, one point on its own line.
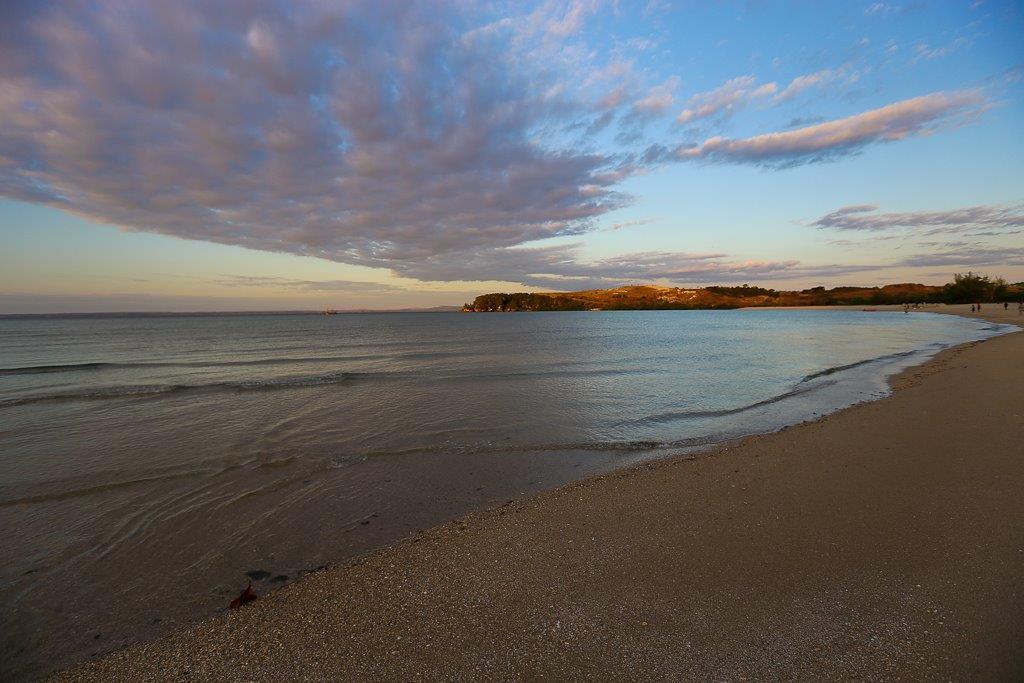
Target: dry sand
884 541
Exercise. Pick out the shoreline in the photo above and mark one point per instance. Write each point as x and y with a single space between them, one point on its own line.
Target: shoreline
278 637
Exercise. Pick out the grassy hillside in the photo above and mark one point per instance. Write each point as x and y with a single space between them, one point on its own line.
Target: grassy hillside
964 289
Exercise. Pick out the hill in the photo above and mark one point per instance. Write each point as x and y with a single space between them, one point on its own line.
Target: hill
964 289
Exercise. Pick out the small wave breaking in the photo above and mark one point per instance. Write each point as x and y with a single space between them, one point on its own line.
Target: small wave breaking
144 390
46 369
849 366
722 412
142 365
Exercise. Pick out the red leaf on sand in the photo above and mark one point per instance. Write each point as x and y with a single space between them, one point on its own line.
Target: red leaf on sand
246 596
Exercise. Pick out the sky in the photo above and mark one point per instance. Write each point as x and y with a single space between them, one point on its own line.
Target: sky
255 155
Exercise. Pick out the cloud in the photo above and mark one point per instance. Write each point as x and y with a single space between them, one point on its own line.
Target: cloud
818 79
737 93
863 217
993 233
881 9
924 51
616 82
562 267
366 133
564 19
347 286
551 20
632 224
658 99
724 100
803 121
656 7
642 44
841 137
601 122
425 138
969 257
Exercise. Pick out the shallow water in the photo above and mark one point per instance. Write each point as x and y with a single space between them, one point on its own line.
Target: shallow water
148 463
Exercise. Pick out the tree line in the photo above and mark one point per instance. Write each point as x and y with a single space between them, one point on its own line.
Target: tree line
971 288
523 301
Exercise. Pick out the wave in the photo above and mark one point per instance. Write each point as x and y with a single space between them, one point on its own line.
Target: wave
77 490
76 367
614 446
430 355
558 373
805 385
44 369
84 367
694 414
490 448
849 366
141 390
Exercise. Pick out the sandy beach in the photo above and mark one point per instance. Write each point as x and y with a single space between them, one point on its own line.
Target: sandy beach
883 541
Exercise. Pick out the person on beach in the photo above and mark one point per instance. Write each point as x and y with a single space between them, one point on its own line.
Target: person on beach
972 308
1005 305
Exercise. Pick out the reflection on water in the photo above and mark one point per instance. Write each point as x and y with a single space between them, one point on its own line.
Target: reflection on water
148 463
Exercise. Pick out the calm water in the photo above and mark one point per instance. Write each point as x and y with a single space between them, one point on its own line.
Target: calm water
148 463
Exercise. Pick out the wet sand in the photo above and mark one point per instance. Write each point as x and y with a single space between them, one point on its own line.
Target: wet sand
883 541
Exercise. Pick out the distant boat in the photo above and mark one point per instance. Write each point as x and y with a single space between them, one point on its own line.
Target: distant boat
330 311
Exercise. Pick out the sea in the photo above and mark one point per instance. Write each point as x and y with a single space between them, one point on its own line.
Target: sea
151 466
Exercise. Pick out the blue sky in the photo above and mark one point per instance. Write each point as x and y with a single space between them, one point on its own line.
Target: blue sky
223 156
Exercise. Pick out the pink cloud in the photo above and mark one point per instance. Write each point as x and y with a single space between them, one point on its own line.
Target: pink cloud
725 99
916 116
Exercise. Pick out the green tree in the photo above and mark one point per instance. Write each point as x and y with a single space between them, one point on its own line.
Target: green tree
974 288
